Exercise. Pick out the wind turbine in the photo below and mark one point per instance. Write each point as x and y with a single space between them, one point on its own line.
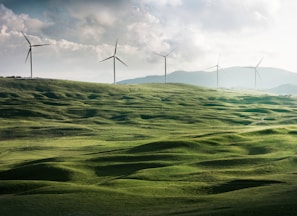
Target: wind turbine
217 66
256 71
165 60
114 60
30 50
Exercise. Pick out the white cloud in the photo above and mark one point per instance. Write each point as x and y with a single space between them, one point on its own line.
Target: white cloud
96 16
231 15
3 31
163 2
22 22
146 32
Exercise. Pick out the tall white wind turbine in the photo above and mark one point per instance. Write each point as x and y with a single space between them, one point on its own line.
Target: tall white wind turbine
165 61
30 51
256 71
114 57
217 66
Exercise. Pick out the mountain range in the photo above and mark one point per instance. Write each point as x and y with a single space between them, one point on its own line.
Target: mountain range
233 77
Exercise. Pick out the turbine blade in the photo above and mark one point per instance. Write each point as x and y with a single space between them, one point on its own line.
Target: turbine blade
30 50
121 61
107 58
211 67
259 62
258 74
37 45
26 38
170 52
115 49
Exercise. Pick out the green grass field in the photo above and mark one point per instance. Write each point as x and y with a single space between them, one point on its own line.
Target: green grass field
81 149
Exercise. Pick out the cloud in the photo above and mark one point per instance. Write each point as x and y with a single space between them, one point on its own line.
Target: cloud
21 22
163 2
232 15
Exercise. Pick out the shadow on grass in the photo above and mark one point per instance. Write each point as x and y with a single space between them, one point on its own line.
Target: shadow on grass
134 158
233 162
241 184
47 172
16 187
124 169
164 145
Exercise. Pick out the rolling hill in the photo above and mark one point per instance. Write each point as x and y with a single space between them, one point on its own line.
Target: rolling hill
286 89
234 77
74 148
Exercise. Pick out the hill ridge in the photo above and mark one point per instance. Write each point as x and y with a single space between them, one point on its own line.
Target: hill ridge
232 77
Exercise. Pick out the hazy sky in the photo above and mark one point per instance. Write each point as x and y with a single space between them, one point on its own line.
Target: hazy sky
83 32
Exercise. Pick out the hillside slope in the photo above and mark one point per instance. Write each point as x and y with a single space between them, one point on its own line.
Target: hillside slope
72 148
286 89
85 106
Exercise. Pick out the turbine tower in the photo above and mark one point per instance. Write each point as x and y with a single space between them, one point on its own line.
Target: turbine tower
217 66
114 60
30 51
165 61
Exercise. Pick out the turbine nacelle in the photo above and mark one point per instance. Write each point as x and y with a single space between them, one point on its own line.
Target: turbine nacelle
165 56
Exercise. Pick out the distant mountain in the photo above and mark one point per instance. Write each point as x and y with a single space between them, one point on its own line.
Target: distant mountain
286 89
234 77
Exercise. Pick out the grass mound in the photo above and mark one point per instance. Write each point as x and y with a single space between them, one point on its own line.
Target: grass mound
124 169
129 158
41 171
271 131
233 162
19 187
241 184
42 131
165 146
17 112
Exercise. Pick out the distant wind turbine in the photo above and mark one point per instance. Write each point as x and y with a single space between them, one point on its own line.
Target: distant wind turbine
165 60
217 66
30 50
114 60
256 71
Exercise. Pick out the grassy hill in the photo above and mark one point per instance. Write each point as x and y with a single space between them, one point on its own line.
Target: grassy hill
286 89
71 148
